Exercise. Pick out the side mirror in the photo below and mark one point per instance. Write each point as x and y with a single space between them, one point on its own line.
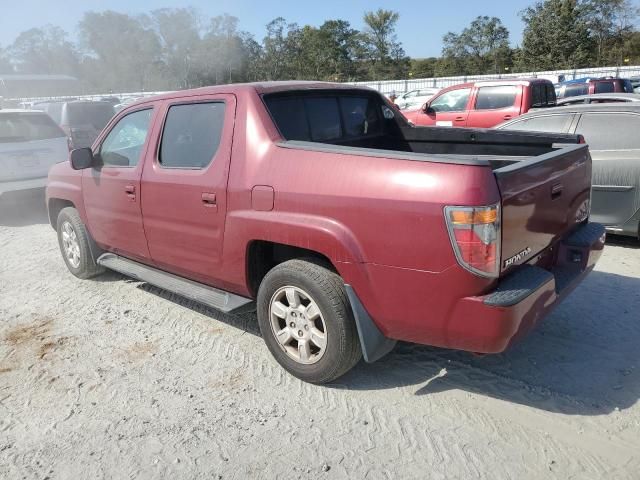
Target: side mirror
426 108
81 158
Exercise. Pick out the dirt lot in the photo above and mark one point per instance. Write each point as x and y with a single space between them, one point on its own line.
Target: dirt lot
115 379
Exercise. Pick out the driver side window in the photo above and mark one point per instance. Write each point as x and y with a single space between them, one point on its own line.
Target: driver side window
122 147
453 101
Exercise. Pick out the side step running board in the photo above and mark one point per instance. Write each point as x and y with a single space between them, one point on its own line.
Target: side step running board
212 297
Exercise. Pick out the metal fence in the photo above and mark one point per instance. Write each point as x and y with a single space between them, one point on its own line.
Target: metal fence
401 86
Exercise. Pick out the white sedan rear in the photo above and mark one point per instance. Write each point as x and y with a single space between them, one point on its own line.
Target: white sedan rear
30 143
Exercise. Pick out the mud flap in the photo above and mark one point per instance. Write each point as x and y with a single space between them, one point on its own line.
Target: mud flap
374 344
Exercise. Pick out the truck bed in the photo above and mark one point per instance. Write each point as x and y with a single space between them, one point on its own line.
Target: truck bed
544 179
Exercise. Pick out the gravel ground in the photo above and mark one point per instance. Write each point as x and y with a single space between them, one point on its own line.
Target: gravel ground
112 378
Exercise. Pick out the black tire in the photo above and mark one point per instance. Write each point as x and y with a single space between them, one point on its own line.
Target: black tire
342 351
87 266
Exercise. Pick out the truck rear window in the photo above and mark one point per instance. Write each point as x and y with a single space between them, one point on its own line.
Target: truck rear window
324 118
25 127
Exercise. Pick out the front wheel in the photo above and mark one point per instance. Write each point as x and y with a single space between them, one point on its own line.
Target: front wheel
73 239
306 321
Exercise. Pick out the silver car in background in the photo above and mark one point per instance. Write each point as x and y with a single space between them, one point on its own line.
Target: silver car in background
415 98
612 131
30 143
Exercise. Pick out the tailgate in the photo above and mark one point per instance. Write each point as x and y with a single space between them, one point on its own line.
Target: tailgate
27 160
543 198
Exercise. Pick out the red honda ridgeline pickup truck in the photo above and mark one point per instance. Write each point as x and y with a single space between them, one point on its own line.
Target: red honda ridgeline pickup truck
349 227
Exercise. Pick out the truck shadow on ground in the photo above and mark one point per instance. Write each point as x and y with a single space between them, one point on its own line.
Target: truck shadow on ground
584 359
623 241
23 209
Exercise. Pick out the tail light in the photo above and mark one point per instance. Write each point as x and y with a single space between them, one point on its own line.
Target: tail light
475 237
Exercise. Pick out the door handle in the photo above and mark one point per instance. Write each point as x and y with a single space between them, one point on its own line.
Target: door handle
209 200
507 117
459 119
130 191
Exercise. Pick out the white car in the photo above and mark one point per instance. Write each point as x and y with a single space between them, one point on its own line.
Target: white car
30 143
415 98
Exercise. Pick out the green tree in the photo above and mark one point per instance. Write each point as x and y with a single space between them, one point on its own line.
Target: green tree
556 36
328 52
44 50
222 56
423 67
610 23
5 61
178 31
280 47
122 52
386 55
482 47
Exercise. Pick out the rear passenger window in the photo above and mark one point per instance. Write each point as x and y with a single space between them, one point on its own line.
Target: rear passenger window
610 131
493 98
604 87
576 89
544 123
191 135
24 127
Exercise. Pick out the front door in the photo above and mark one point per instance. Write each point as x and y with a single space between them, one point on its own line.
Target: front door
111 189
449 109
184 186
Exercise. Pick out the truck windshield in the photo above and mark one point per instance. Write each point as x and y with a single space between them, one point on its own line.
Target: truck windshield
325 118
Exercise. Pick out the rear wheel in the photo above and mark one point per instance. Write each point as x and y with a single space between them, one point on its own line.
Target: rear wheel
306 321
74 239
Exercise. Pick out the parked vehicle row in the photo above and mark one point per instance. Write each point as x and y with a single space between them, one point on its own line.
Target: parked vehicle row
82 120
483 104
415 98
277 192
588 86
599 98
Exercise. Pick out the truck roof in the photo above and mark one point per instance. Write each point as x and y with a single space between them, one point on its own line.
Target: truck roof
259 87
498 81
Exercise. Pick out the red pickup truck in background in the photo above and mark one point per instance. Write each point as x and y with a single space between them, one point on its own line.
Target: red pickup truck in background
349 227
483 104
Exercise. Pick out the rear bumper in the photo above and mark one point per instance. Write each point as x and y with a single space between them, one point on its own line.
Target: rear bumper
19 185
492 322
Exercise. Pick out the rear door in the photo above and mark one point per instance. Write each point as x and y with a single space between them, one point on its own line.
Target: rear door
615 148
449 109
30 143
184 186
495 104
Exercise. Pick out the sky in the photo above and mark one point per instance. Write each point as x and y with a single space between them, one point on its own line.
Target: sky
420 28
